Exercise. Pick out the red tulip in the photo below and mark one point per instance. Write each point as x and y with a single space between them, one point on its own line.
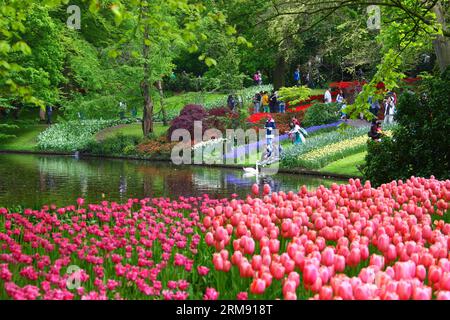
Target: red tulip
255 189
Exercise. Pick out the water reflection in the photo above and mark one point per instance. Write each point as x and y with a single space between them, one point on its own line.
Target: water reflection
32 181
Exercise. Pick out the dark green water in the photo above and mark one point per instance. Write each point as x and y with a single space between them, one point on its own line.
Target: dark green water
32 181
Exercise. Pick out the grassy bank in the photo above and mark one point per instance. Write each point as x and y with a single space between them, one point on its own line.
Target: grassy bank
25 138
347 166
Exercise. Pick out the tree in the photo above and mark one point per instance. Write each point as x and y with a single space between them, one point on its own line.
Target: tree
163 27
419 145
426 15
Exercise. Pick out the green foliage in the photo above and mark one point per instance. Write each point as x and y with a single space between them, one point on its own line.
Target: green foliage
387 73
117 145
321 113
6 127
39 62
224 63
420 145
294 95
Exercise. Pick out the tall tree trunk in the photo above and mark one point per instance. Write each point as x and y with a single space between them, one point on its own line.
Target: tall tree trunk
279 73
159 85
147 120
442 43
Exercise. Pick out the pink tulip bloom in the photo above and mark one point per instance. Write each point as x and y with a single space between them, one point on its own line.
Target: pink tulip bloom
444 283
258 286
202 271
345 291
242 296
404 290
326 293
443 295
328 257
363 292
289 287
339 263
310 274
422 293
277 270
211 294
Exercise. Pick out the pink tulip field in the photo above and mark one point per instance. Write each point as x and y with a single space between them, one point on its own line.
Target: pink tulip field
349 242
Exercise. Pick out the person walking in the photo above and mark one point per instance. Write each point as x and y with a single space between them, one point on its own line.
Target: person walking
328 98
122 110
308 80
265 102
375 132
340 97
231 103
257 78
282 106
270 127
298 134
374 106
273 102
49 113
297 77
389 111
257 102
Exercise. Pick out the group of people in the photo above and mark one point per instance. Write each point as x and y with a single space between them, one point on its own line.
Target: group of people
266 103
297 134
233 102
388 108
298 78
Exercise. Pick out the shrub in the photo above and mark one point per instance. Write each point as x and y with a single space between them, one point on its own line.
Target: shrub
294 95
420 145
160 148
219 112
320 113
117 145
186 119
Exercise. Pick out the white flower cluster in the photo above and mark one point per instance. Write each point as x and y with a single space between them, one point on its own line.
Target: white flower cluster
209 143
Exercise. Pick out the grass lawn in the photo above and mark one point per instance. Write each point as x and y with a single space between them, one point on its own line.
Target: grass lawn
347 166
134 129
25 140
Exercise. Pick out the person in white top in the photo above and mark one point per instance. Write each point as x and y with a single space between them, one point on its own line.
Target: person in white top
389 111
328 97
340 97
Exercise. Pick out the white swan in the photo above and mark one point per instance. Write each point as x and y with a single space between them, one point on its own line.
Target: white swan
249 172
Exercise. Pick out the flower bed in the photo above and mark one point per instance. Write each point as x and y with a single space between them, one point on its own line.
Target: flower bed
347 242
73 135
159 148
292 156
319 158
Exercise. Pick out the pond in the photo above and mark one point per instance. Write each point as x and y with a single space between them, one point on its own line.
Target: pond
32 181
